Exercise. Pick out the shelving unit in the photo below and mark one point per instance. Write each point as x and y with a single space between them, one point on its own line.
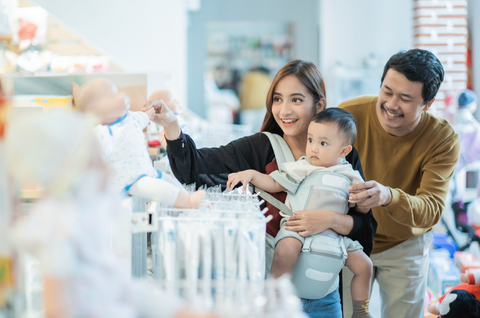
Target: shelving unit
60 40
241 46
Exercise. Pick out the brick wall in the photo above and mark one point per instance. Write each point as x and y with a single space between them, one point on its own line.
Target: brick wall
441 27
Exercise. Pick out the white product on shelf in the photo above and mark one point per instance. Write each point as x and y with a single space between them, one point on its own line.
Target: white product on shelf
214 257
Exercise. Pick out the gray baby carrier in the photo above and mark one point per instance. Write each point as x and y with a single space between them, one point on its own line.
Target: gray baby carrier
315 274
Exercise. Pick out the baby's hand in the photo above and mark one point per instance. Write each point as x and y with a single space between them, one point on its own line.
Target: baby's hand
196 198
464 278
432 308
243 176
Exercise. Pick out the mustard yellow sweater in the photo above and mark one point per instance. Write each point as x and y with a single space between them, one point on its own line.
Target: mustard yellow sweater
417 168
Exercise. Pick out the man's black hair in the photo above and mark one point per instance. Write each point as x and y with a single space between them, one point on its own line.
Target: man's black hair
418 66
345 122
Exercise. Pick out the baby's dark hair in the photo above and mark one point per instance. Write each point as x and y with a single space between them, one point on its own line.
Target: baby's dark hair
345 122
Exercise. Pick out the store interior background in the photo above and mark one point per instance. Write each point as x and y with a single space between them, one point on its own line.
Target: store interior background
167 39
170 36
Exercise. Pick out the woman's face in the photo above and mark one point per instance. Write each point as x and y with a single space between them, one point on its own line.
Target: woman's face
293 106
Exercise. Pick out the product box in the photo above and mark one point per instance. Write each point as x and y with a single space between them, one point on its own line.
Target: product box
466 260
471 270
44 101
443 241
442 273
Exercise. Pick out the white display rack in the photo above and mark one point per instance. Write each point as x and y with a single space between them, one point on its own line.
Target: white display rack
214 256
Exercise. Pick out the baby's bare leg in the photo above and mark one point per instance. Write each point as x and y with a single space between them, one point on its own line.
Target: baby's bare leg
285 256
189 201
361 266
167 193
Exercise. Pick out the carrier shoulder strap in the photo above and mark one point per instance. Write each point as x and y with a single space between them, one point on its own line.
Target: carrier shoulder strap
280 148
282 154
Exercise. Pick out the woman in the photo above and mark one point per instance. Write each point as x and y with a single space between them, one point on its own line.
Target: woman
297 93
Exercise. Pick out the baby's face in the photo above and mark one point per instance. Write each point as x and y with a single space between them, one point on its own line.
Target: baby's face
325 144
112 103
101 98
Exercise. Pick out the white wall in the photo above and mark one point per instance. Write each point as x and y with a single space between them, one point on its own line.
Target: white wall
350 30
140 36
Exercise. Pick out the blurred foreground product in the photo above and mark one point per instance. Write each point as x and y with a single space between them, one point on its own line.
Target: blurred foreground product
214 257
70 230
7 203
7 59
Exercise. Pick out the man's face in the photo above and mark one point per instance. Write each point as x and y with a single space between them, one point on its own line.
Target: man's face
400 104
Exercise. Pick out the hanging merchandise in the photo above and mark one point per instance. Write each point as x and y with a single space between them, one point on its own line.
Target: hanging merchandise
214 257
33 60
30 27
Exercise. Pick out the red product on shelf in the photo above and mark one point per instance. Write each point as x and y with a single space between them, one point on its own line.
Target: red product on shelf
154 143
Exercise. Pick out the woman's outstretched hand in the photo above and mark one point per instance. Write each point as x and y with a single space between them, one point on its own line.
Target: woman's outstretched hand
164 116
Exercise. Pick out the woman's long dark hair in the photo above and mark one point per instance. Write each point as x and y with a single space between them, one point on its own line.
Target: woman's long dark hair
309 75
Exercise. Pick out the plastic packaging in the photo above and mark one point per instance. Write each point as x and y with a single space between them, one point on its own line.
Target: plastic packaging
169 234
219 255
442 273
466 260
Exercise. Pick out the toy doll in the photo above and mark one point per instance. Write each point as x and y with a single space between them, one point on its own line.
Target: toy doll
462 300
123 145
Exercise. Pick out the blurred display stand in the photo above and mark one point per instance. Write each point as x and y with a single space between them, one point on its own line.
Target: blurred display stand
347 83
241 46
234 49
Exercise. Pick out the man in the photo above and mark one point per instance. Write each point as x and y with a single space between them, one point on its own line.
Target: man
252 94
409 156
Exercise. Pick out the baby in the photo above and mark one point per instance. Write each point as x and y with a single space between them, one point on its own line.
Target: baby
331 135
123 145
